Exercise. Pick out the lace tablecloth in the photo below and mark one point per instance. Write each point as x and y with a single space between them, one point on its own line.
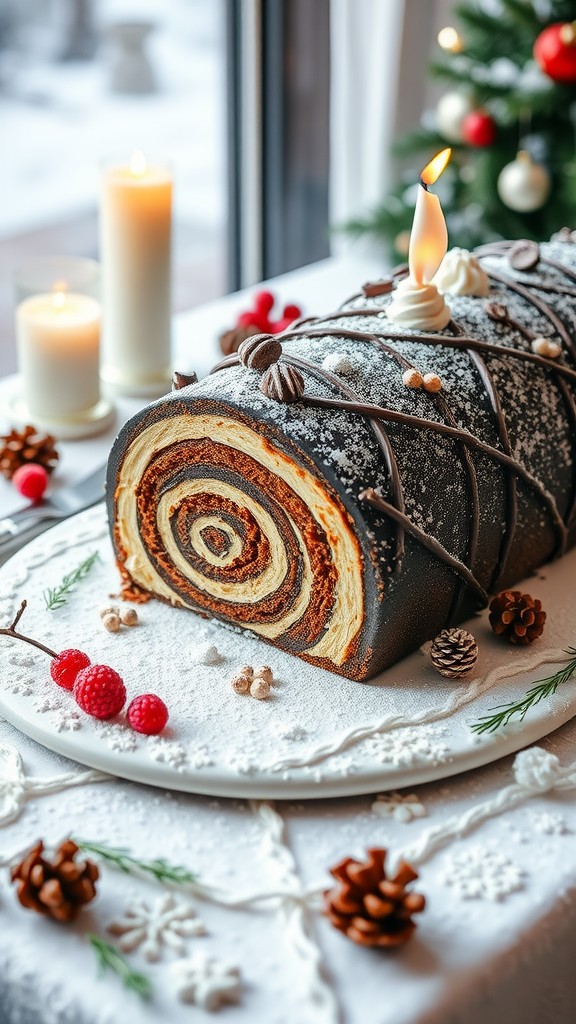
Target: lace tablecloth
495 941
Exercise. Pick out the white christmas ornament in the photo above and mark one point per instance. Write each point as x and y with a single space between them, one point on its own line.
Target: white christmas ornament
166 923
452 108
207 982
524 185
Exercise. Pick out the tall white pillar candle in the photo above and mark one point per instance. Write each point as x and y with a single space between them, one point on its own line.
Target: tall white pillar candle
58 339
136 228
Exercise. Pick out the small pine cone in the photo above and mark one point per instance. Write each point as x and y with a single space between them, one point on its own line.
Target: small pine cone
259 352
56 888
517 617
454 653
231 340
27 445
370 908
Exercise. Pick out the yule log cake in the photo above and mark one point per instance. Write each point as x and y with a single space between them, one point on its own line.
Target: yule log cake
351 489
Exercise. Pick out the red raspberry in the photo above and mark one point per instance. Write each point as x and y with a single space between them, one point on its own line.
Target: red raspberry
65 667
31 480
99 691
147 714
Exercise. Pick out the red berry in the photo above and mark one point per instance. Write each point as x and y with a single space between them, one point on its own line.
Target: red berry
99 691
147 714
479 128
31 480
291 312
65 667
282 324
263 301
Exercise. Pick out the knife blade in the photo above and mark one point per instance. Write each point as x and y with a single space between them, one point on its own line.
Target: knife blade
62 503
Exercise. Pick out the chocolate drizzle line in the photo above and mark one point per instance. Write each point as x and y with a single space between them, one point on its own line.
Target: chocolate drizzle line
539 304
440 340
371 497
467 463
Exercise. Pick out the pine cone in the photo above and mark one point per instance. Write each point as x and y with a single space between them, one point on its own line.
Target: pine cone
454 653
231 340
370 908
26 445
56 888
517 617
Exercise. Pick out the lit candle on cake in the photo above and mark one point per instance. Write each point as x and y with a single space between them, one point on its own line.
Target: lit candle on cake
58 338
417 302
136 237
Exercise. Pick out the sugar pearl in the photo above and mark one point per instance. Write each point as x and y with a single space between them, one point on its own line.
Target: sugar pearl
241 683
113 610
111 622
260 688
545 347
264 672
432 382
130 617
412 379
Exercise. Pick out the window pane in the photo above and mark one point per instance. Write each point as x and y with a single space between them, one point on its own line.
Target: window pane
83 80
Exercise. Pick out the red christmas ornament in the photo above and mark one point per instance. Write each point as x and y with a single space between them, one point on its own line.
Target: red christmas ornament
479 128
555 52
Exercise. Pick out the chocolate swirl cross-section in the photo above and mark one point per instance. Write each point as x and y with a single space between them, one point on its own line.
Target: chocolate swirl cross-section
216 514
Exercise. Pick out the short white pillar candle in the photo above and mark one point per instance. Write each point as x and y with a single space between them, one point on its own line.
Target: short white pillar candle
58 320
58 338
135 233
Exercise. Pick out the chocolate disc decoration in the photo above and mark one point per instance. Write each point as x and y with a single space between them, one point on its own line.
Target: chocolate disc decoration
524 255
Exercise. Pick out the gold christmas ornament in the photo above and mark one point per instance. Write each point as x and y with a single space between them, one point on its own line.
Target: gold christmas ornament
450 40
524 185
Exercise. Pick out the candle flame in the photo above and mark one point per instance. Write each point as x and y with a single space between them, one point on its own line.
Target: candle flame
138 163
59 299
434 169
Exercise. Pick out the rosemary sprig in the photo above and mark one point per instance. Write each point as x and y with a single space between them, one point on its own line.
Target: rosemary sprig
109 957
543 688
55 597
160 868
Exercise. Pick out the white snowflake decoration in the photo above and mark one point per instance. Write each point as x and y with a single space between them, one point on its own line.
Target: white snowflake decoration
67 720
207 982
199 757
400 808
404 748
168 752
118 738
482 874
550 824
47 703
167 922
22 686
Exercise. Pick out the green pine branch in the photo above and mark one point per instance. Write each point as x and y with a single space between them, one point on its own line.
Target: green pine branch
110 958
159 868
539 691
55 597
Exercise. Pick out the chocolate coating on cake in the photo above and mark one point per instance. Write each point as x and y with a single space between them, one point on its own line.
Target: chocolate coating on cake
355 522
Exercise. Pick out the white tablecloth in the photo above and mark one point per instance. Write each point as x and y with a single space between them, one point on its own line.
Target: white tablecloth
508 959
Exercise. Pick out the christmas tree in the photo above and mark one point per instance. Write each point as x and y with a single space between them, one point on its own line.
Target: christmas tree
509 113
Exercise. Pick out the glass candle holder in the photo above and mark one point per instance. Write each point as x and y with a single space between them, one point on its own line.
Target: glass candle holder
58 321
135 249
